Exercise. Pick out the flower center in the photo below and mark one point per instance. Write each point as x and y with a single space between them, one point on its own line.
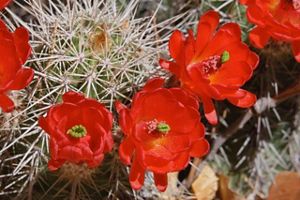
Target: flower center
291 3
213 63
296 5
77 131
285 11
161 127
225 57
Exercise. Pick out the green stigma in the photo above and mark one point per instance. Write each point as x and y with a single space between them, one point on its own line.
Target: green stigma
163 127
225 56
77 131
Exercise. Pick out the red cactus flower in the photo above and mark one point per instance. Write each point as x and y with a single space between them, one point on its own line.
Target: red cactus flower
14 51
4 3
79 130
214 65
277 19
162 131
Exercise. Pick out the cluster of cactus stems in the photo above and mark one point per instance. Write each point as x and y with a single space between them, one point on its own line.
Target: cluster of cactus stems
98 48
102 49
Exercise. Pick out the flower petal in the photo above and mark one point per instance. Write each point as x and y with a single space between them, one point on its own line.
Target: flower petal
4 32
6 104
4 3
206 28
232 74
98 142
104 117
23 78
126 150
209 110
189 48
43 124
176 44
163 110
96 112
55 164
70 153
197 133
161 181
169 145
245 102
125 120
228 34
119 106
185 98
108 142
180 162
240 52
153 84
9 63
53 148
201 86
72 97
244 1
233 29
247 2
161 165
259 37
96 161
170 66
254 15
296 50
137 175
87 153
200 148
253 60
157 164
57 112
21 38
229 92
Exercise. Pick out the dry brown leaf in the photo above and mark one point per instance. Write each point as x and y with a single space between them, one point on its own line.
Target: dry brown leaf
99 39
286 186
206 185
225 192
